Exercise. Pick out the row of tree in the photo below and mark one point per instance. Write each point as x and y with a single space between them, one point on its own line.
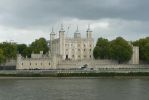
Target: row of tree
118 49
35 47
10 50
121 50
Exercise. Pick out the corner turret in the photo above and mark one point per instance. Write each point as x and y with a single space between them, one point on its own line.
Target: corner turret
52 35
89 32
77 33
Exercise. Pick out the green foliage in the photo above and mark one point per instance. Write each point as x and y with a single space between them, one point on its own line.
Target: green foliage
21 49
96 52
27 52
102 49
36 46
39 45
120 50
9 50
2 57
143 48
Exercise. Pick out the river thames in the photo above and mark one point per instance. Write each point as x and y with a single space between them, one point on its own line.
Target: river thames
74 89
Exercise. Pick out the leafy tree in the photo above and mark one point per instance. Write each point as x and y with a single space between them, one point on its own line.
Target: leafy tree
9 50
146 52
27 52
102 49
2 57
96 52
143 48
21 49
120 50
39 45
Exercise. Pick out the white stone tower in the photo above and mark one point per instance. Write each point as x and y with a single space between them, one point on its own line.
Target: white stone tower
90 41
52 37
62 41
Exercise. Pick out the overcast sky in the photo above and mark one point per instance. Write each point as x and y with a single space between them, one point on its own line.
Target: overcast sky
23 21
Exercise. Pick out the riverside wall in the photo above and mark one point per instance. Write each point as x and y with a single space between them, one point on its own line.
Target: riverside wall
53 72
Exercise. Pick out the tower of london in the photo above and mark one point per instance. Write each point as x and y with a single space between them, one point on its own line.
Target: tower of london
76 48
70 52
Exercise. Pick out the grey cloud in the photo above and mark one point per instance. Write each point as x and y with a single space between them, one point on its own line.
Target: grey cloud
128 18
23 13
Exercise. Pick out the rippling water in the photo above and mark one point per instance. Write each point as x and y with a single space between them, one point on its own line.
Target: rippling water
74 89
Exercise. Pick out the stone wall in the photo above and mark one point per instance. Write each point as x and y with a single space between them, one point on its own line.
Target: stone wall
80 63
34 64
11 62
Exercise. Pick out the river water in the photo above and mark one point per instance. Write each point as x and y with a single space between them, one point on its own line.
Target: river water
74 89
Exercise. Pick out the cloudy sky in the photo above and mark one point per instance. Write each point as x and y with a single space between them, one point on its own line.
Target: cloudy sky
23 21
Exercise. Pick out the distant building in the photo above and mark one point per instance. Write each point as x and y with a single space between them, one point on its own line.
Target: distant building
67 52
76 48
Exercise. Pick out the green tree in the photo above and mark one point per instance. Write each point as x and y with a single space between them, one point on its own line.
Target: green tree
9 50
96 52
120 50
143 48
146 52
2 57
27 52
102 49
39 45
21 49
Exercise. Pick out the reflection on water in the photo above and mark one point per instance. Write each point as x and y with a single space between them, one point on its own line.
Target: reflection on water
74 89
